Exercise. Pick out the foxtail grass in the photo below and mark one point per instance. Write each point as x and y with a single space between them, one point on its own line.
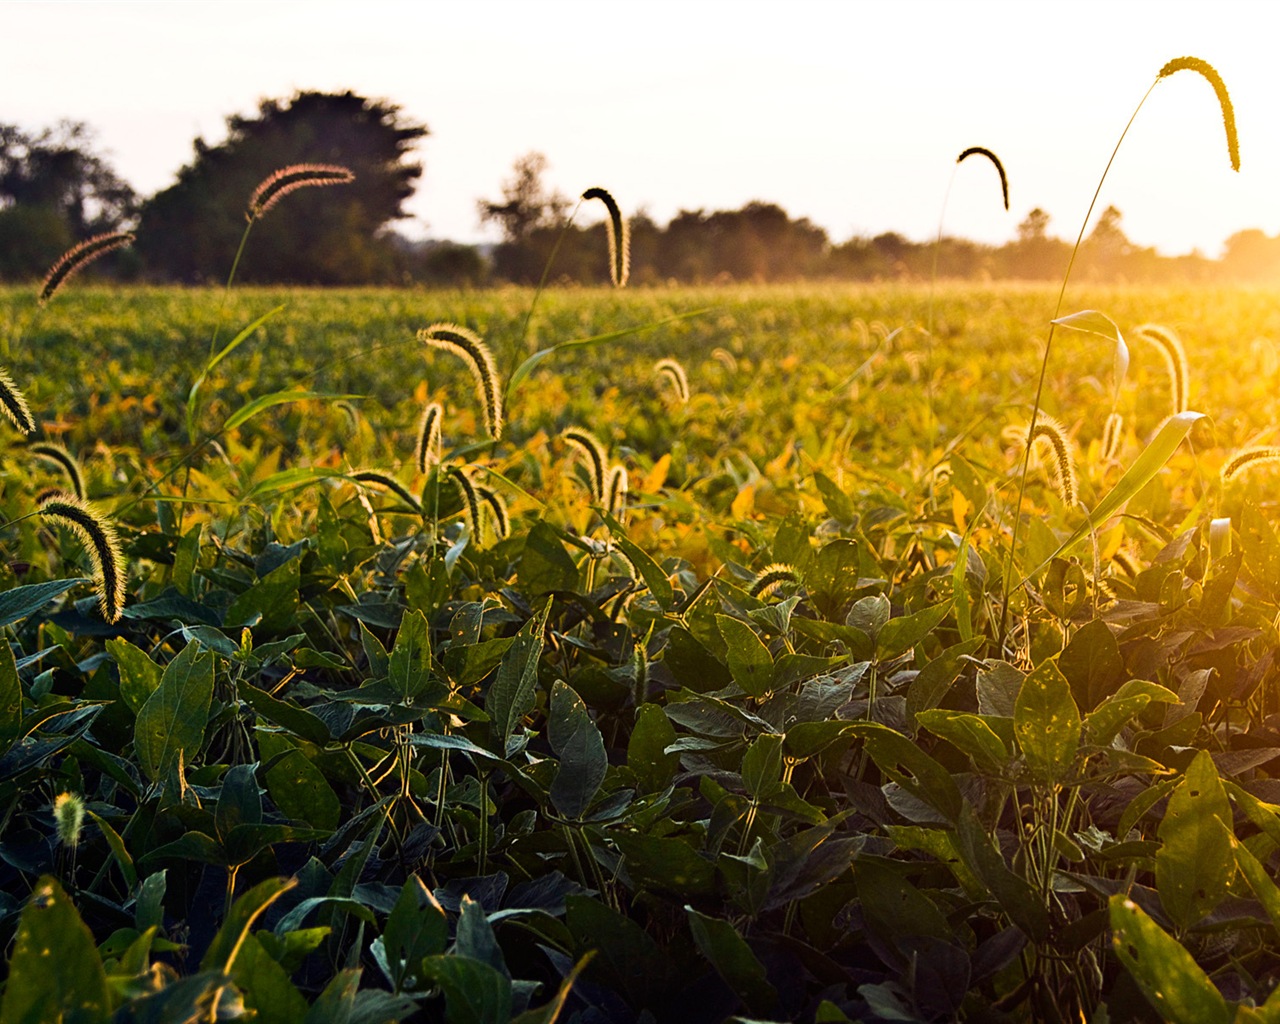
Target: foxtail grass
64 460
14 405
619 237
593 455
498 514
1127 563
68 818
771 577
1233 152
1248 459
674 373
289 179
995 160
725 358
1051 439
98 536
427 450
470 501
77 258
616 492
1175 361
468 347
1112 435
387 482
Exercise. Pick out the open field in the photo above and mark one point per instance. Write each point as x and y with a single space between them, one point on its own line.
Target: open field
766 723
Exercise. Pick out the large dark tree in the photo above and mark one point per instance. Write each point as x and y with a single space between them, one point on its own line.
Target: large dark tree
190 231
54 191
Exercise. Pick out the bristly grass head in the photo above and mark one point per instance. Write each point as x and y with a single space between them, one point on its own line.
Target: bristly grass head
674 372
68 816
280 183
1175 359
470 499
497 510
427 450
390 483
99 538
64 460
593 454
1112 434
467 346
78 257
1247 459
14 405
1049 433
616 492
983 151
619 237
771 577
1210 74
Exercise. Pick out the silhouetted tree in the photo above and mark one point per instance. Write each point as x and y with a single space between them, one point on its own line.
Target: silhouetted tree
54 191
529 215
190 231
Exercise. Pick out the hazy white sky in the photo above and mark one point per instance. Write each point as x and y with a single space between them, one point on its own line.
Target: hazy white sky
849 113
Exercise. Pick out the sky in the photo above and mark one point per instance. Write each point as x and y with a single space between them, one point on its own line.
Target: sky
848 112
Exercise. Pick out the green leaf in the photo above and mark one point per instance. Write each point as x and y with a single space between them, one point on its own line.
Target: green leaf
267 990
1090 321
299 721
290 479
935 679
409 670
1092 664
899 635
55 972
970 734
654 578
668 865
416 928
1194 865
577 742
474 992
271 604
1166 973
118 850
1259 881
1141 473
652 734
733 960
20 602
222 952
11 727
239 800
227 349
1046 723
545 565
174 717
251 409
1014 893
139 675
894 908
762 766
185 559
628 960
511 696
749 660
301 792
911 768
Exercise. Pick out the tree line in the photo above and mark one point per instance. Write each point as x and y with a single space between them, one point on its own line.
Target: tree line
56 190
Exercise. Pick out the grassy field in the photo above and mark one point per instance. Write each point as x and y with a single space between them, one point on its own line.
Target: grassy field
781 729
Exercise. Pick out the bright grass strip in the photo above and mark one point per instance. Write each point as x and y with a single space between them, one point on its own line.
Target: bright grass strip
99 538
78 257
279 184
468 347
619 237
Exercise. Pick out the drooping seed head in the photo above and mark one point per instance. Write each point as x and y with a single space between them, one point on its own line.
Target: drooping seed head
616 492
1247 459
674 372
1175 360
98 536
1210 74
470 500
594 457
427 451
390 483
14 405
1112 434
725 358
1050 436
771 577
497 510
78 257
64 460
280 183
468 347
983 151
619 237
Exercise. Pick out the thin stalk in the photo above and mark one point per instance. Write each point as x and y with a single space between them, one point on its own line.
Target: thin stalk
542 282
1044 368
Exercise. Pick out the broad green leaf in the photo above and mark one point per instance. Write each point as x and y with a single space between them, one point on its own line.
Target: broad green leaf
733 960
1259 880
118 850
416 928
251 409
302 793
11 727
545 565
139 675
474 992
668 865
222 952
901 634
749 660
19 602
299 721
55 972
893 907
1194 865
1166 973
185 559
1092 663
762 766
935 679
271 604
267 990
1143 470
652 734
911 768
577 742
1016 896
239 800
654 578
1265 816
409 670
1103 722
971 734
1046 723
174 716
628 958
511 696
